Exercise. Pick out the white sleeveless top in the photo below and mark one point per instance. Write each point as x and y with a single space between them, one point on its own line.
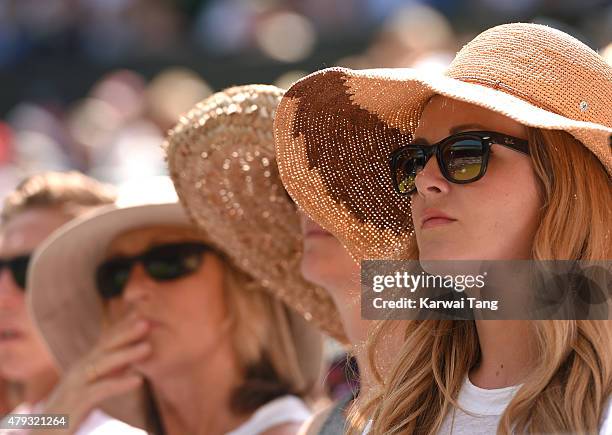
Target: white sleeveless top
284 410
484 409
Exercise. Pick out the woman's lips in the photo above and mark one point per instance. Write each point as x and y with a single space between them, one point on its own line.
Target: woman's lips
434 218
317 233
311 229
151 322
154 324
436 222
9 335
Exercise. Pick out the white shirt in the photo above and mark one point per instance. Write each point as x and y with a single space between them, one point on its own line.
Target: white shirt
485 408
96 423
284 410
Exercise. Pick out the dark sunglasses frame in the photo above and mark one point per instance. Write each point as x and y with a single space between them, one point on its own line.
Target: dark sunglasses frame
104 276
18 267
486 138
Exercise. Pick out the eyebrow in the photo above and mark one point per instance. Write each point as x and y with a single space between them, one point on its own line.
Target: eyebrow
454 130
465 127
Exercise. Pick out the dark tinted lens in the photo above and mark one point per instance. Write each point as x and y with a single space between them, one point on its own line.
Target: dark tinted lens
112 276
19 269
169 262
463 159
407 164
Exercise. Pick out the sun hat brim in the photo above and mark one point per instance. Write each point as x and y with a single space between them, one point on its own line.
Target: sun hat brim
335 130
221 158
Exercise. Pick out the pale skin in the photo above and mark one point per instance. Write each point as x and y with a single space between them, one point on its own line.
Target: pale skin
495 218
24 358
326 262
152 335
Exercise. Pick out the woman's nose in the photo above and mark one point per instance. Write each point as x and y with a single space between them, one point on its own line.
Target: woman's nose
430 181
139 285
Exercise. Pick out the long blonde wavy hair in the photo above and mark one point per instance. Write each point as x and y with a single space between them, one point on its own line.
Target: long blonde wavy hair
268 338
568 387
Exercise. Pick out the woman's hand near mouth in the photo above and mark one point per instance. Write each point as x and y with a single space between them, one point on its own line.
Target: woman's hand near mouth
103 373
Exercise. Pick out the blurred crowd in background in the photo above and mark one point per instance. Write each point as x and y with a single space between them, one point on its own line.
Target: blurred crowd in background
94 84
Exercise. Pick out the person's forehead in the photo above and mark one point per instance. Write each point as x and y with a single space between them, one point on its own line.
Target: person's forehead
442 114
28 229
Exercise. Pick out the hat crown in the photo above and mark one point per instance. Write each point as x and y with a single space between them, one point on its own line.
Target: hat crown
542 66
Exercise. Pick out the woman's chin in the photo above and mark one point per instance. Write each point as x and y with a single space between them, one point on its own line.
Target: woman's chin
444 255
154 368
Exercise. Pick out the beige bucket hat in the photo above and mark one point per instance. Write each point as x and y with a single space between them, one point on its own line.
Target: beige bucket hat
65 304
335 129
221 157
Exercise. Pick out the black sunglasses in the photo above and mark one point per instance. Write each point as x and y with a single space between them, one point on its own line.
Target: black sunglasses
462 158
161 263
18 267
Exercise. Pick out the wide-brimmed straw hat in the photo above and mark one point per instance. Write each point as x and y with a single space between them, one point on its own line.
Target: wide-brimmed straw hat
335 129
222 160
64 302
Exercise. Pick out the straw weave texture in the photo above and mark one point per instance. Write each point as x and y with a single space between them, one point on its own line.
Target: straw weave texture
221 157
336 128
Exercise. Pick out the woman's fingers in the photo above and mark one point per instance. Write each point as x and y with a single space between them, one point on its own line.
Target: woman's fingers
112 362
124 333
102 373
85 387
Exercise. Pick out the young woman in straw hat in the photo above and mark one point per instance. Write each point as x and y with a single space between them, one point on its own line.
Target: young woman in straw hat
152 322
223 163
505 157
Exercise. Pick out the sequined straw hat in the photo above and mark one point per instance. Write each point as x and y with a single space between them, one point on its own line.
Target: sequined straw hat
69 313
335 129
222 161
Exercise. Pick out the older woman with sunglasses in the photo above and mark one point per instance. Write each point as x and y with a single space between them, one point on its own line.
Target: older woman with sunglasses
505 158
156 326
36 208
